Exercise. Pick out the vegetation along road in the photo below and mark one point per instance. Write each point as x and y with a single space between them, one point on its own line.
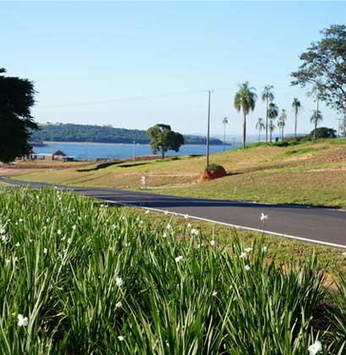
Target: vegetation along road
318 225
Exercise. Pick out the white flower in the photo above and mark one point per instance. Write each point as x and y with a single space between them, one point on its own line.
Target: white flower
121 338
212 242
74 227
178 259
45 251
118 305
247 250
189 225
214 293
7 261
102 205
4 238
264 249
194 231
2 231
119 281
141 222
344 253
263 216
164 234
247 267
186 216
166 212
315 347
242 255
17 245
21 220
69 240
22 321
168 226
59 231
147 211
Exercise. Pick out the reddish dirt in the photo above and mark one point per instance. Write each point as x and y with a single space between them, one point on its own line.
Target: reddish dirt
213 174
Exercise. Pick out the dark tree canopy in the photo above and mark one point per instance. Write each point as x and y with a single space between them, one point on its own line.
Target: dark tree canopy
16 98
69 132
324 68
321 132
164 139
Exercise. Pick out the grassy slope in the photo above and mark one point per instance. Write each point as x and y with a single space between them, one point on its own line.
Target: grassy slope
308 173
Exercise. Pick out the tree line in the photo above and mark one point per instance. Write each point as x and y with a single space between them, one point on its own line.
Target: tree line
68 132
323 73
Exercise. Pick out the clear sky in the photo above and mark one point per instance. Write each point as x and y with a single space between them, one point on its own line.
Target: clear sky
135 64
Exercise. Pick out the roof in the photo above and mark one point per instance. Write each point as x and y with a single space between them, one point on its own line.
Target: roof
59 152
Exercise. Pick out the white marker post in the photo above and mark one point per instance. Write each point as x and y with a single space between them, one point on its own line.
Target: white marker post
143 182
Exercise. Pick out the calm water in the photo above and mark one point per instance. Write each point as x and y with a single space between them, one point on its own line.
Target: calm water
122 151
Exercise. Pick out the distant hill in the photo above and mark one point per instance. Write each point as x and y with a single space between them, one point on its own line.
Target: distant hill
68 132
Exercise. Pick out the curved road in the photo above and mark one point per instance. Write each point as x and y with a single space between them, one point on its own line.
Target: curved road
312 224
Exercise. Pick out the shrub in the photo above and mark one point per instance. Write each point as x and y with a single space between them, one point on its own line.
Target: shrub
213 167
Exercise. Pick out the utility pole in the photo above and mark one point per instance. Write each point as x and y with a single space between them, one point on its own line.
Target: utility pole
208 131
224 121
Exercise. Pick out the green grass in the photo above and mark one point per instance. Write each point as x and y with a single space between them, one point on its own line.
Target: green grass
306 173
98 280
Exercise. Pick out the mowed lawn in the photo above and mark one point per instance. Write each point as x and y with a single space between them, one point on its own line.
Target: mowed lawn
307 173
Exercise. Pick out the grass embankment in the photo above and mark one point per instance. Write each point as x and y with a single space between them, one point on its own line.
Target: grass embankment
97 280
307 173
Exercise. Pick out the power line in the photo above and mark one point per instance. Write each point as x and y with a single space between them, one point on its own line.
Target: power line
91 103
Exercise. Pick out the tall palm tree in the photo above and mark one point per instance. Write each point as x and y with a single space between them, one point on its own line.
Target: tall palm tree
282 122
297 107
315 118
260 126
224 122
267 97
273 112
245 100
271 128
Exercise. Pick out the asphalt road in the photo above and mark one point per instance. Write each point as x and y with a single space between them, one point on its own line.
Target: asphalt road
317 225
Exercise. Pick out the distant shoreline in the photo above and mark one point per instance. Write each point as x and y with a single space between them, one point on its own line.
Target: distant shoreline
97 143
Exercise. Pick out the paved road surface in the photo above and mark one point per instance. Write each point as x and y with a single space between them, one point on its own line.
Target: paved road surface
318 225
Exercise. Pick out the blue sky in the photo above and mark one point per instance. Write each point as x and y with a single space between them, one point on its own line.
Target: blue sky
135 64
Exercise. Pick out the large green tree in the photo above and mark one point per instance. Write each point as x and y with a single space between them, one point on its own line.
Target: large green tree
16 99
324 66
245 100
164 139
267 97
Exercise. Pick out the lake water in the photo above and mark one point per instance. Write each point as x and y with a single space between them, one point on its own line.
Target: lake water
121 151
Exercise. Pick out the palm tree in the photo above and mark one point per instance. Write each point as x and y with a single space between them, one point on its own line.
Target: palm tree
315 118
267 96
245 100
297 107
271 128
260 126
224 122
282 122
273 112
